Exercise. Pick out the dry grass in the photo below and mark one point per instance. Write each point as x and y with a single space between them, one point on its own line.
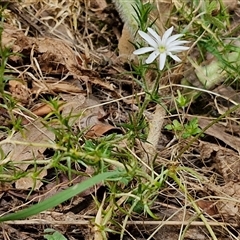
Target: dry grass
76 52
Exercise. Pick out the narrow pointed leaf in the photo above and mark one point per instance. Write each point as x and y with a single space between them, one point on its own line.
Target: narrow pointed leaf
58 198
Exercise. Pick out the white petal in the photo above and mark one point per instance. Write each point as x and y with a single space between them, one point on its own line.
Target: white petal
148 39
173 38
162 60
177 49
174 57
155 35
167 34
143 50
152 57
177 42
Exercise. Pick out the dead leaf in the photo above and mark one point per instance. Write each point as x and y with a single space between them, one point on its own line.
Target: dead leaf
4 117
20 91
226 161
10 38
100 129
91 110
98 81
52 54
29 181
55 55
227 92
230 5
227 164
87 115
15 233
229 209
18 154
73 106
208 207
44 108
161 14
125 46
51 86
63 182
218 131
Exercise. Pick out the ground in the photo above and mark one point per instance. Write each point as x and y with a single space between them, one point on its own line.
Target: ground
76 105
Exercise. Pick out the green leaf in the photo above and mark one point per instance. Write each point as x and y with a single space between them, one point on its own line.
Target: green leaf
55 236
217 22
177 125
59 197
181 100
169 127
211 7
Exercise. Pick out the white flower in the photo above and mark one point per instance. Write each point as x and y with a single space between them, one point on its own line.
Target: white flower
161 47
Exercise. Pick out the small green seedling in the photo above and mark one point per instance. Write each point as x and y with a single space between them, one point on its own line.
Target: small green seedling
185 131
181 100
53 235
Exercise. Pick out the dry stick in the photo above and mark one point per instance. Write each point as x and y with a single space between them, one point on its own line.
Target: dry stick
161 88
155 127
87 222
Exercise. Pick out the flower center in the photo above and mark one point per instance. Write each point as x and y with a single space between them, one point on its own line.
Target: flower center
162 49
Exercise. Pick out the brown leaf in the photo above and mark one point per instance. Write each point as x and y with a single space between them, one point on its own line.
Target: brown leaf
14 39
20 91
19 153
125 46
74 105
207 149
162 13
44 108
51 86
86 115
63 182
101 129
53 55
29 181
89 120
90 117
208 207
218 131
229 206
100 82
227 164
230 5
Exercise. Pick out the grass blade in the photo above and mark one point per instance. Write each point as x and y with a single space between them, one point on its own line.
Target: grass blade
58 198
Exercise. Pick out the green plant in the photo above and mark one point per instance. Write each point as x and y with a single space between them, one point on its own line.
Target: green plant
130 164
209 24
184 130
181 100
51 234
7 102
143 11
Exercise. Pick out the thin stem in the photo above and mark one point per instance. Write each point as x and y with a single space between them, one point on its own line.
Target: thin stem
233 109
173 175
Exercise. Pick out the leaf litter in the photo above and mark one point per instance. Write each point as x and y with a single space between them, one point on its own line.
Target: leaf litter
53 59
